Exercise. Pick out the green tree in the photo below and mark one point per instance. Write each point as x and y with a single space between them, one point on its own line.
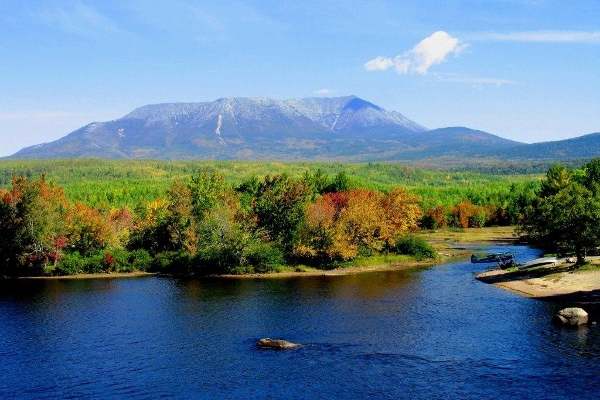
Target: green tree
591 177
565 217
227 246
248 191
279 207
150 230
180 220
558 178
316 182
340 183
207 190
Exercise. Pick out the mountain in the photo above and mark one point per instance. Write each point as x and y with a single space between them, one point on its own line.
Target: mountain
335 129
238 128
582 147
341 128
456 142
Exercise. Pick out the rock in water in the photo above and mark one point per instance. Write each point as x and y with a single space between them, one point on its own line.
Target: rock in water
276 344
572 316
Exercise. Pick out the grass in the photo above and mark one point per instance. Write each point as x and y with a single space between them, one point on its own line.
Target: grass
495 234
591 265
379 259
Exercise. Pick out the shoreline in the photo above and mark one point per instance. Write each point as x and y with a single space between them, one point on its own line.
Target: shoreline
447 243
290 273
105 275
340 271
559 283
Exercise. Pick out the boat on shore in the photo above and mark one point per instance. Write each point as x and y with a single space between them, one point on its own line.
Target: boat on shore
538 262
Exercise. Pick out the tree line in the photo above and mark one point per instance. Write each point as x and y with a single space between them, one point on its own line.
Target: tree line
204 225
128 183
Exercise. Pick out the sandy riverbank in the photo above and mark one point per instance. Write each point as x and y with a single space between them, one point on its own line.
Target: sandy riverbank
560 282
334 272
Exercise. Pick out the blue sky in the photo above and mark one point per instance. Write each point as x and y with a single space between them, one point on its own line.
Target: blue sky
527 70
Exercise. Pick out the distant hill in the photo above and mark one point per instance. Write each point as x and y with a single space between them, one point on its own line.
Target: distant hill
341 128
582 147
455 142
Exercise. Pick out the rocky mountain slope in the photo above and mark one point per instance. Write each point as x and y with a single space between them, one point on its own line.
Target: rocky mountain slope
341 128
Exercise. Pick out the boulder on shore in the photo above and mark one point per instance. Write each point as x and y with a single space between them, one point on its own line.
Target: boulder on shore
276 344
573 316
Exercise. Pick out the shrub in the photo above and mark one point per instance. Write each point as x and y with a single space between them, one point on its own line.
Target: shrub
70 264
264 257
172 262
75 263
140 260
219 259
478 220
415 246
130 261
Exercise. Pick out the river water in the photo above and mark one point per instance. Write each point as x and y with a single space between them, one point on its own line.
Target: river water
419 334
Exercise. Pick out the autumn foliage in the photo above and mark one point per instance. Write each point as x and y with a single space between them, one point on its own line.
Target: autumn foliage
40 227
202 225
340 226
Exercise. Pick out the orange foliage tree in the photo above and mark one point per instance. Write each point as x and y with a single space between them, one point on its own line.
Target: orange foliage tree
468 215
32 228
316 233
436 218
361 223
344 224
88 230
121 223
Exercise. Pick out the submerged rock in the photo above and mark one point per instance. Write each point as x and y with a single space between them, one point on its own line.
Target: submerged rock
573 316
276 344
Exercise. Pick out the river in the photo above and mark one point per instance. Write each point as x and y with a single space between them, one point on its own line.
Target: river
416 334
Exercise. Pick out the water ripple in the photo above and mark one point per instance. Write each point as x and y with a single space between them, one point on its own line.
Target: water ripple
421 334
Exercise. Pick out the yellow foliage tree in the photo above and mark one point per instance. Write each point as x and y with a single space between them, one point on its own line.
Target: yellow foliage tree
401 213
88 229
361 223
341 225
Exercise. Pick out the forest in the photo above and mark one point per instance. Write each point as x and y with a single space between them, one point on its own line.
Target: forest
61 217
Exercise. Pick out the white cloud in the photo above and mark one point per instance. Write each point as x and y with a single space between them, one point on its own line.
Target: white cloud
324 91
379 64
541 36
430 51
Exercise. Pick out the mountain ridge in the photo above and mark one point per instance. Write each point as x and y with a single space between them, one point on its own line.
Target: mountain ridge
229 128
345 128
